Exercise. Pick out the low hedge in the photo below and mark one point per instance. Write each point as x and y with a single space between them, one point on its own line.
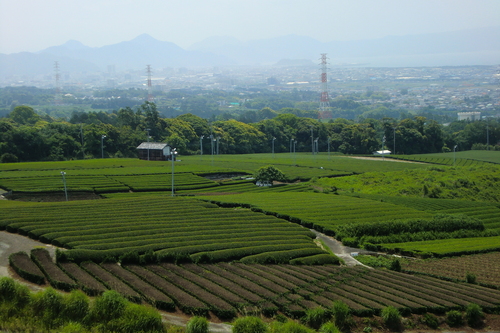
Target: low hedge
56 276
318 259
281 257
26 268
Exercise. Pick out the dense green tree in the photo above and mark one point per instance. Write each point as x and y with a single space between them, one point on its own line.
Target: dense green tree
24 115
238 137
268 174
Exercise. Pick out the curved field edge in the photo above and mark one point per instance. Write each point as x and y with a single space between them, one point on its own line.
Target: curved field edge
173 227
326 212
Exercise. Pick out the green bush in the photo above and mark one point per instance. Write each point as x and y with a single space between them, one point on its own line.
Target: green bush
14 297
110 305
289 327
72 327
137 318
197 325
391 317
131 258
474 315
316 317
249 325
454 318
342 315
470 278
76 306
430 320
7 289
48 305
350 241
395 265
329 328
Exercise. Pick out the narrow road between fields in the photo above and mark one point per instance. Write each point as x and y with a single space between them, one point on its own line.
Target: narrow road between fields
341 251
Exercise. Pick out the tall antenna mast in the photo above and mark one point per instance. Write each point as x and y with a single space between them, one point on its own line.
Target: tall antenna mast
150 86
57 96
324 103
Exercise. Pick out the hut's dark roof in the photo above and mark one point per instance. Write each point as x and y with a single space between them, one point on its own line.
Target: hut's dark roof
152 145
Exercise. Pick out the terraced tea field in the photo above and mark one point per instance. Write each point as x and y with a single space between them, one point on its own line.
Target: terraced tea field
186 253
323 210
169 226
228 289
485 267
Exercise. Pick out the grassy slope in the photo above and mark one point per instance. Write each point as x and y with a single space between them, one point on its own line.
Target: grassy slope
468 183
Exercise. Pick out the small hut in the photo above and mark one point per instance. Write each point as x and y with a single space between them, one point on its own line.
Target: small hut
154 151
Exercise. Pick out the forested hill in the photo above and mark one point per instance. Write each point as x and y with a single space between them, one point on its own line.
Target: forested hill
27 136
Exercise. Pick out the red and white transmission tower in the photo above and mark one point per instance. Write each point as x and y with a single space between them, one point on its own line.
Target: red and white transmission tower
324 103
150 86
57 96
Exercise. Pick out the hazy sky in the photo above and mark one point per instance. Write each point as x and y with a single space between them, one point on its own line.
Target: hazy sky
32 25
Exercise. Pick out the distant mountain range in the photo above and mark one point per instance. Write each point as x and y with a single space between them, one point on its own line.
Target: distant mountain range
467 47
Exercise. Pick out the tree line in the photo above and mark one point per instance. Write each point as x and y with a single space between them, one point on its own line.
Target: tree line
27 136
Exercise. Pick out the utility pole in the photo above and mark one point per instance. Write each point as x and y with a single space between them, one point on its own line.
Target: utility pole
312 139
147 130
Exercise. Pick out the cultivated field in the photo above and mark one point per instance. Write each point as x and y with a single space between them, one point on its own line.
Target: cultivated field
228 289
223 246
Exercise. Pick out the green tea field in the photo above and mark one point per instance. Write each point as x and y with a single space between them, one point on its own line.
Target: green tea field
199 236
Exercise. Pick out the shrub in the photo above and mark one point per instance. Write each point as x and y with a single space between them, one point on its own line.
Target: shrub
281 318
76 306
197 325
14 297
110 305
350 241
474 315
289 327
316 317
454 318
470 278
342 315
138 318
391 317
73 328
8 158
249 325
7 289
130 258
329 328
430 320
149 257
48 305
395 265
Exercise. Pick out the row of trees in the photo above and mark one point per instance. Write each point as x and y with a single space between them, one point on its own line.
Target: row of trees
26 136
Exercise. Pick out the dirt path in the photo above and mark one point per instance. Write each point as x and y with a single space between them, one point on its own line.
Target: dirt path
12 243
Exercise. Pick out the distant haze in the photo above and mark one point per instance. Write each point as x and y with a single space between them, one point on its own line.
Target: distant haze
461 48
34 25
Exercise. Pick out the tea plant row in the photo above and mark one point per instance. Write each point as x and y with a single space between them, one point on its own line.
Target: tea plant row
195 229
484 267
227 289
